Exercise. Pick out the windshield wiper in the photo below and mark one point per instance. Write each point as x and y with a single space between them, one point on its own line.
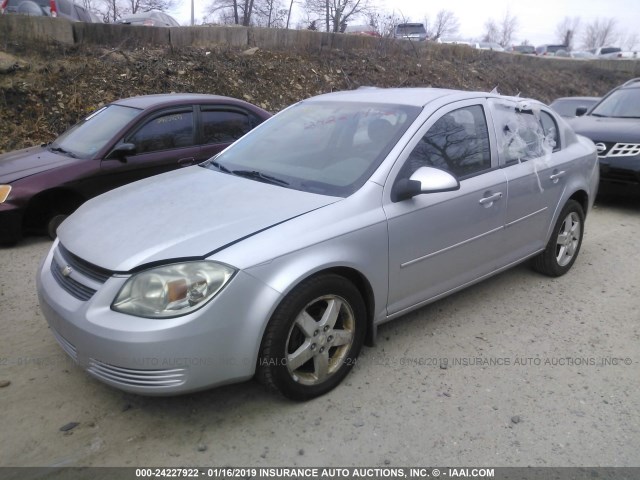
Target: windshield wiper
222 168
256 175
599 115
63 151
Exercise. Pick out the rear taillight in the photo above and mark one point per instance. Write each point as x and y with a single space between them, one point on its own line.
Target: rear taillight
149 22
53 8
3 6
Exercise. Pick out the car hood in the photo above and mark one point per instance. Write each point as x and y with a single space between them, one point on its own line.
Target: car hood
603 129
189 213
29 161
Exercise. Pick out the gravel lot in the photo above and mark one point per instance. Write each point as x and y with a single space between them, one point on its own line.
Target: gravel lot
540 372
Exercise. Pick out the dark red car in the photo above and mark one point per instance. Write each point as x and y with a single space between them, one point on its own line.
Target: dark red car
127 140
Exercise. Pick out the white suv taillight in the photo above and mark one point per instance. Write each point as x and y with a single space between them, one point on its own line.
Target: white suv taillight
53 8
3 6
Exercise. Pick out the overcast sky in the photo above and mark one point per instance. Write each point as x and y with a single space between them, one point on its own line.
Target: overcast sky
537 19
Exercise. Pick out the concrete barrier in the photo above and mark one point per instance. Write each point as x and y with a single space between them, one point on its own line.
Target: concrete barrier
23 29
200 36
114 35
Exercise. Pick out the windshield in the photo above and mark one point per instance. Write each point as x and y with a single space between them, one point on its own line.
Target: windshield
90 135
621 104
330 148
410 29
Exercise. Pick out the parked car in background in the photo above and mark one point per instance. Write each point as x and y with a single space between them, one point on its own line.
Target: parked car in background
280 256
47 8
496 47
362 30
151 18
614 53
524 49
122 142
614 126
582 54
95 18
411 31
549 50
455 41
567 106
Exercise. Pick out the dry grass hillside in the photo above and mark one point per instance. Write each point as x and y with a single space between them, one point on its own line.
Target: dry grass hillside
43 93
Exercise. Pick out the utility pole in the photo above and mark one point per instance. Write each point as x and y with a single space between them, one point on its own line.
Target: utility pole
192 13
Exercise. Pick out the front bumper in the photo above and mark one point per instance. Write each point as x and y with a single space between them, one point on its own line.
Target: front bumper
215 345
10 223
620 170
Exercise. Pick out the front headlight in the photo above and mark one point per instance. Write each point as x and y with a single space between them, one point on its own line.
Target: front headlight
172 290
5 190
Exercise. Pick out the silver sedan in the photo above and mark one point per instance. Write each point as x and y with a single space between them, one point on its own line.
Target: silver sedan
280 257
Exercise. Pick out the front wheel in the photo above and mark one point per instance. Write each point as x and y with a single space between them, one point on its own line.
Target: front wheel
53 224
563 247
313 339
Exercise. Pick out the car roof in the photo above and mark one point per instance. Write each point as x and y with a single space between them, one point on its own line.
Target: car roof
147 101
417 97
633 83
581 99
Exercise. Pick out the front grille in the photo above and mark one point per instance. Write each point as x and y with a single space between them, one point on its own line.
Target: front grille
137 378
73 287
78 277
66 346
625 150
85 268
618 149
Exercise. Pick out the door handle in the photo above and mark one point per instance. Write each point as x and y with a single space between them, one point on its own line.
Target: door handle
488 201
557 176
185 162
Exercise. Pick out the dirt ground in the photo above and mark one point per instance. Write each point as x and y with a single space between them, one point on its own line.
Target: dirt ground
44 89
560 389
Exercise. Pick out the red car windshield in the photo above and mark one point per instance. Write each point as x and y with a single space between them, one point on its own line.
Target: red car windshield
89 136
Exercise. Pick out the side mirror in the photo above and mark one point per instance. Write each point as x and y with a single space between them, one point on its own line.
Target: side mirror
120 152
580 111
424 180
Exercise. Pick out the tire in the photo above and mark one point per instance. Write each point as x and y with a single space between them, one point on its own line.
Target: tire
565 242
53 224
313 339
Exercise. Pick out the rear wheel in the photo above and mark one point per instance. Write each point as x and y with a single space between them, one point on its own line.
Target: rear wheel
564 245
313 339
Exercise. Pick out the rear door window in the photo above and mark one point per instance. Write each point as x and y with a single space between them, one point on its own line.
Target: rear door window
521 131
223 126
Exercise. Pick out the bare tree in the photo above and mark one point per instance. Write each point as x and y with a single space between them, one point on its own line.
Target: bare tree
270 14
491 31
383 23
289 14
135 6
631 41
236 12
446 24
600 32
338 12
113 10
508 29
500 33
566 31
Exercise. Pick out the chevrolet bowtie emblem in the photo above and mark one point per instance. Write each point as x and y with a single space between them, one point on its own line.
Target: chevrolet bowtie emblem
66 271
